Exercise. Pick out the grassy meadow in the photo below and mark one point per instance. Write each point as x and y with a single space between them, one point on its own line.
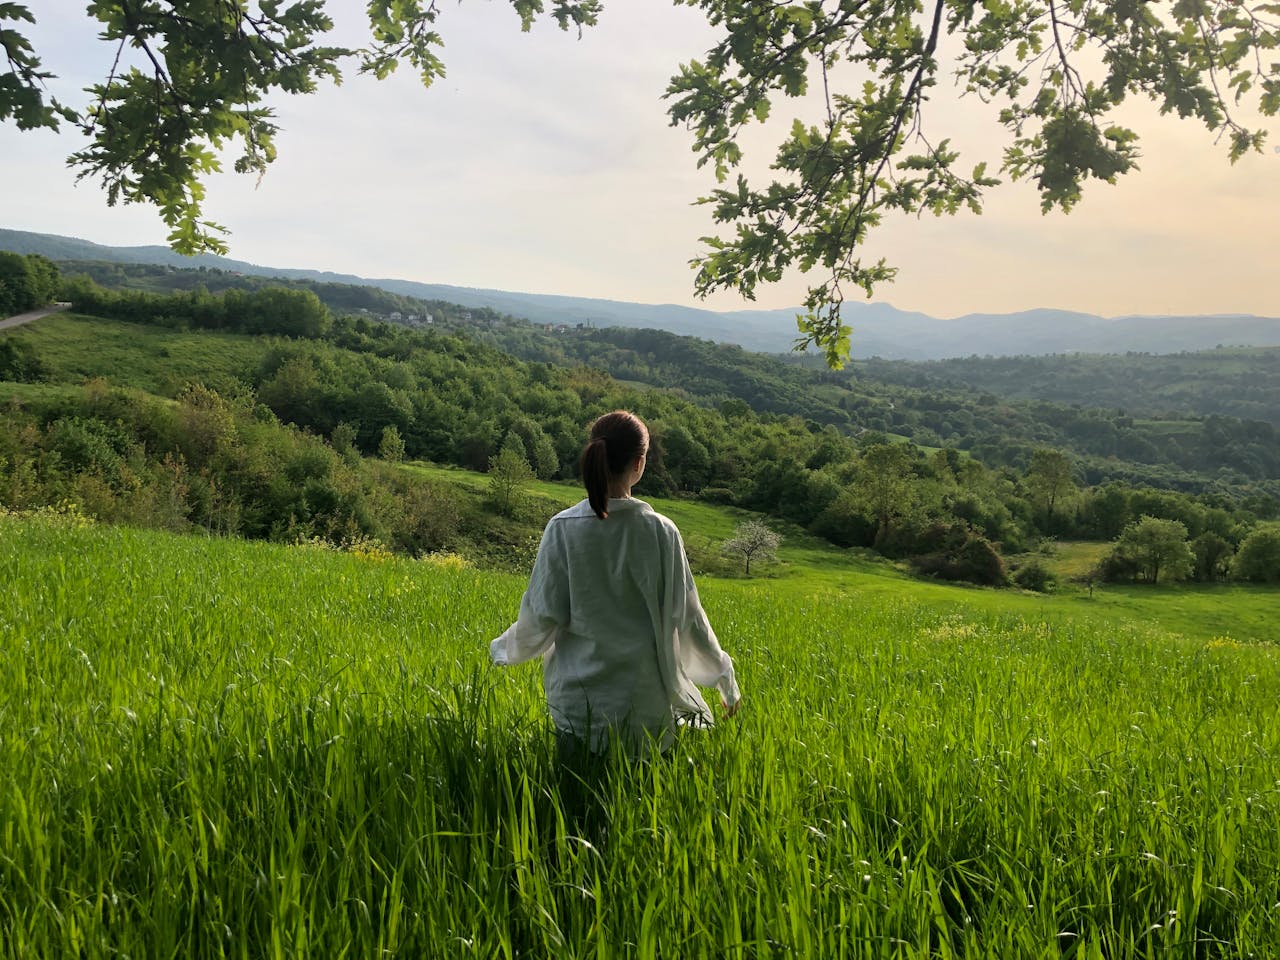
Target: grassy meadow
225 749
1236 612
150 358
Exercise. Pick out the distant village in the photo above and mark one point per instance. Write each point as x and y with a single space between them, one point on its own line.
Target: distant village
466 317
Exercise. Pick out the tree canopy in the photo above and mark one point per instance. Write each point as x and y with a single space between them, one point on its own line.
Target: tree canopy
26 282
1153 546
191 76
1259 556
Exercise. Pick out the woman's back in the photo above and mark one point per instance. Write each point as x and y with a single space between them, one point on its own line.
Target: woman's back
604 669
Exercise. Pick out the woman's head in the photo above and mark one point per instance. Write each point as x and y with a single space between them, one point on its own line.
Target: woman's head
613 457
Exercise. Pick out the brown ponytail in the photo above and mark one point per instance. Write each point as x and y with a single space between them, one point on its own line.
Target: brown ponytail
618 439
595 475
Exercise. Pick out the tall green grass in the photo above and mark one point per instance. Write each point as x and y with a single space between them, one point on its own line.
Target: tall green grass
222 749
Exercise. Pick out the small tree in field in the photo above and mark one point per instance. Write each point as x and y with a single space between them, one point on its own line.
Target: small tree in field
1213 556
508 474
752 540
343 440
391 446
1049 482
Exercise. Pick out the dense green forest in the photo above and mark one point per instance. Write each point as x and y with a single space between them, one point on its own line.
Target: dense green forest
1242 382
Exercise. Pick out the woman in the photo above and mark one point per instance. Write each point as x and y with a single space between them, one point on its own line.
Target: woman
612 609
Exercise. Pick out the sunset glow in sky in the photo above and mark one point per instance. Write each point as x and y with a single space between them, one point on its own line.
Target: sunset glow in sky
543 163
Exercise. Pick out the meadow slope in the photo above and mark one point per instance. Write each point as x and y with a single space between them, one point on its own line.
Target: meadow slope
216 748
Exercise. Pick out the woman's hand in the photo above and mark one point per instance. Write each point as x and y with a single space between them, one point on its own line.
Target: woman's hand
731 709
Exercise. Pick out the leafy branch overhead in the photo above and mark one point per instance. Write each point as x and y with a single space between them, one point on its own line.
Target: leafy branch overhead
1054 70
189 77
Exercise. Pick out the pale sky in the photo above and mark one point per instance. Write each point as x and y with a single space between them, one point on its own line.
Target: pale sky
544 164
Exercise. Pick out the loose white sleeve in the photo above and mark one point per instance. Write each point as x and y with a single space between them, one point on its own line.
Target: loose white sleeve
697 648
544 608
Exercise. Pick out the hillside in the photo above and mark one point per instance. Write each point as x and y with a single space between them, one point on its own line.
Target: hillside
1164 449
879 329
260 414
1167 449
218 747
342 298
1232 382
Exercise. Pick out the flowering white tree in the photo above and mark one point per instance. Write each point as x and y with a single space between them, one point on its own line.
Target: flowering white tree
752 540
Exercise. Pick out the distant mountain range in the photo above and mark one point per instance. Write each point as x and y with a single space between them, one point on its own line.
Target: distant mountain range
878 328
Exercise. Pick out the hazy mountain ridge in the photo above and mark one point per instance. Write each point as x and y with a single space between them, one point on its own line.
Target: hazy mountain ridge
879 329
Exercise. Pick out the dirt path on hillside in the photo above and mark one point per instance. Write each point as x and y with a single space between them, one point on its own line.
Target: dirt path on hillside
22 318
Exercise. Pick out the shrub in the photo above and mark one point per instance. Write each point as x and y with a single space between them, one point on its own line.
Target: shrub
86 444
367 548
845 524
422 518
65 514
1117 567
509 474
19 362
721 495
929 538
975 561
1258 558
446 560
1150 546
1034 575
391 444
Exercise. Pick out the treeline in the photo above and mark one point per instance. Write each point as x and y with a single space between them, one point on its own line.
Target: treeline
26 282
1151 549
352 389
275 309
340 298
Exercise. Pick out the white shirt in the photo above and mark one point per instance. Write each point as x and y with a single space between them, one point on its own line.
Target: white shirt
612 609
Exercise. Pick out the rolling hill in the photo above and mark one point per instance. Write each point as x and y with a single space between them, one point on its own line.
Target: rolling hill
879 328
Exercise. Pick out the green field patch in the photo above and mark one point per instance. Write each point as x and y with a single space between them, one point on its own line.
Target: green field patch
1177 428
1067 560
23 393
150 358
1076 559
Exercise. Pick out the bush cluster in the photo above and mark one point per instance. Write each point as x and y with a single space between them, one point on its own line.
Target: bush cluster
26 282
